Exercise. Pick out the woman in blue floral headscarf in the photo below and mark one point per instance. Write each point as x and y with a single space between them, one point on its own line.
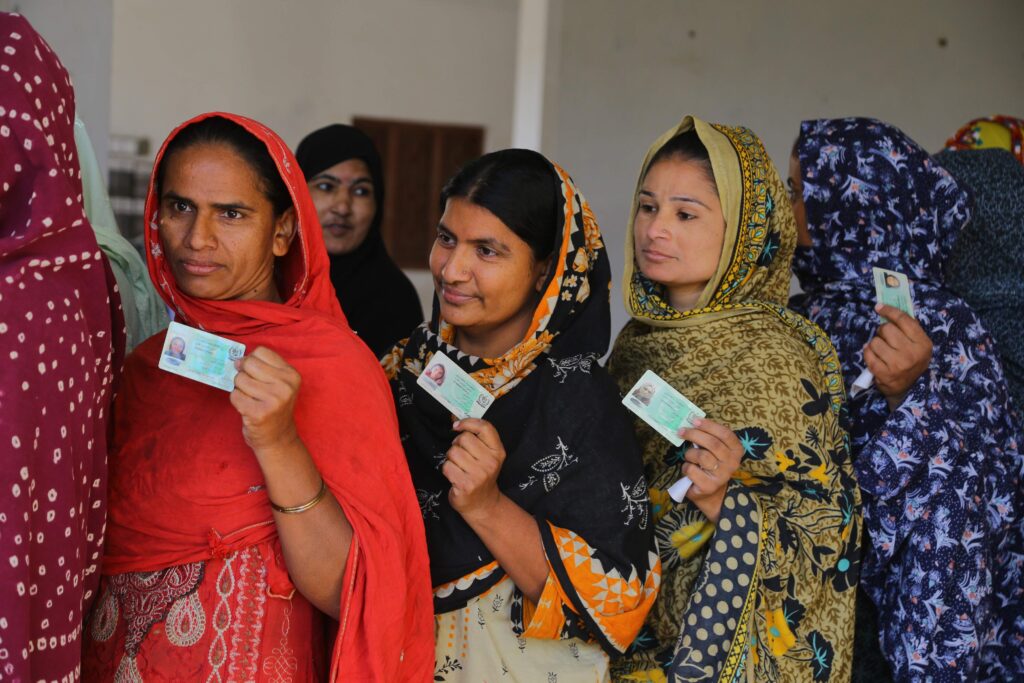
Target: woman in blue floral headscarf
939 466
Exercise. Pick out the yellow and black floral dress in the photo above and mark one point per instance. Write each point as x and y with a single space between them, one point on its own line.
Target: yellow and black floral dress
768 593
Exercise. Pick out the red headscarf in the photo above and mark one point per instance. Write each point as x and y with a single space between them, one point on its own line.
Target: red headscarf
61 344
185 486
973 135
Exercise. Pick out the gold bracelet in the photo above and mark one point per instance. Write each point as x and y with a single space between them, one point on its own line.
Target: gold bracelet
305 506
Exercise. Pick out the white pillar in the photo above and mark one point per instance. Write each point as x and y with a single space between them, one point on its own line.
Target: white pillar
531 45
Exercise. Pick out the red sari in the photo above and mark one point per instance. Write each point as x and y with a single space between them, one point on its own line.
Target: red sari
195 586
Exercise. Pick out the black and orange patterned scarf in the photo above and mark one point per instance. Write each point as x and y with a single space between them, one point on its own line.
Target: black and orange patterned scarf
572 459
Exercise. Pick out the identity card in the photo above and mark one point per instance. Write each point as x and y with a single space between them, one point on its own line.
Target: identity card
201 356
453 388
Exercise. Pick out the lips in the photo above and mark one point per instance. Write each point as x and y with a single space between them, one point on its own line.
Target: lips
338 229
200 268
454 296
656 256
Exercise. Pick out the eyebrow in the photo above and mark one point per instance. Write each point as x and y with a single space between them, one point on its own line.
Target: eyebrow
220 206
489 242
678 198
336 179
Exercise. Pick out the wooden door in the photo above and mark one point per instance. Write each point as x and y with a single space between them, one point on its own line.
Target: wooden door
418 159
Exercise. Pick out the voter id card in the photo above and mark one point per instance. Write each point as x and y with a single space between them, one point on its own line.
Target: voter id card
893 289
453 388
661 406
201 356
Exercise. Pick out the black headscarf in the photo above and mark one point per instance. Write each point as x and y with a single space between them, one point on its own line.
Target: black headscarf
378 299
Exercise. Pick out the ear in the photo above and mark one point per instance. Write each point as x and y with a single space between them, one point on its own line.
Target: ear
544 268
284 231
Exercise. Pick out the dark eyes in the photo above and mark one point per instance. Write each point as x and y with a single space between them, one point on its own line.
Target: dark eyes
180 206
652 209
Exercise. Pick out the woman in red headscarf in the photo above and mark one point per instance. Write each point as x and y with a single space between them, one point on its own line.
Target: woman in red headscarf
238 520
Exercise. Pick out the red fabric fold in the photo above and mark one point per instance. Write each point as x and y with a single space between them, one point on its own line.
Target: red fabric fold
185 486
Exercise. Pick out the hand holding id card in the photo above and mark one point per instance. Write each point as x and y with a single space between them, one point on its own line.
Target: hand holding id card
201 356
658 404
453 388
892 288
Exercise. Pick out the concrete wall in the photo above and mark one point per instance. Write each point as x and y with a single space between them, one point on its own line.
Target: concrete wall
628 71
297 66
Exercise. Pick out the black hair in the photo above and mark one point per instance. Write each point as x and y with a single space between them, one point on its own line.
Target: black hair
219 130
687 147
518 186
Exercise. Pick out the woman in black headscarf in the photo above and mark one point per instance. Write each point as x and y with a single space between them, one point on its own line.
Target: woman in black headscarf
342 168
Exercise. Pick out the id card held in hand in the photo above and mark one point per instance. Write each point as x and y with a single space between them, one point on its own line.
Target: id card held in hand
453 388
893 289
658 404
201 356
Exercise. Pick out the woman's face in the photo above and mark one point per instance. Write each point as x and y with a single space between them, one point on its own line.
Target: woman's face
436 373
177 345
346 204
796 196
486 277
679 229
217 227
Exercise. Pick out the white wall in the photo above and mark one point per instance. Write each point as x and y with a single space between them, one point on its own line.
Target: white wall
297 66
79 31
628 71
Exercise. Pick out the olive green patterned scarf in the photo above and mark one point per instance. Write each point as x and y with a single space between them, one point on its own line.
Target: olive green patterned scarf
768 593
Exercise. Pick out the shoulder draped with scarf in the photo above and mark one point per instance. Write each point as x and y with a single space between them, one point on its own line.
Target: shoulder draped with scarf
768 593
62 344
192 544
941 474
572 461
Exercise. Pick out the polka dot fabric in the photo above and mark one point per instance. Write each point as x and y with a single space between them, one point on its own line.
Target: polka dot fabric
59 350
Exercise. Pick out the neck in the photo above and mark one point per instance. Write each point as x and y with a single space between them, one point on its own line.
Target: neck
493 342
685 297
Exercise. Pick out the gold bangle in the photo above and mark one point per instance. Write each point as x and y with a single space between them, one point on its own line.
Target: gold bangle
294 510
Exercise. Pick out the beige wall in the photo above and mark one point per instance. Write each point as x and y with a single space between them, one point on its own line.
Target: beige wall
299 65
629 70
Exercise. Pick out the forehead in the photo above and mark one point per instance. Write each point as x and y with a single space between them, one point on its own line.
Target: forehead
211 172
677 176
349 170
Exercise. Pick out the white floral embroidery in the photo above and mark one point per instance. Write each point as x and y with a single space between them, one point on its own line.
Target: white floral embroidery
636 503
563 366
428 502
549 467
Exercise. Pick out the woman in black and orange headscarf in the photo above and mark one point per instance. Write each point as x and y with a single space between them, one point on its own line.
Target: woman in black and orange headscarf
238 521
541 551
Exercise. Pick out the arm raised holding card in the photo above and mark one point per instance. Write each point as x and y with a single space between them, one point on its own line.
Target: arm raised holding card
898 355
316 542
509 532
